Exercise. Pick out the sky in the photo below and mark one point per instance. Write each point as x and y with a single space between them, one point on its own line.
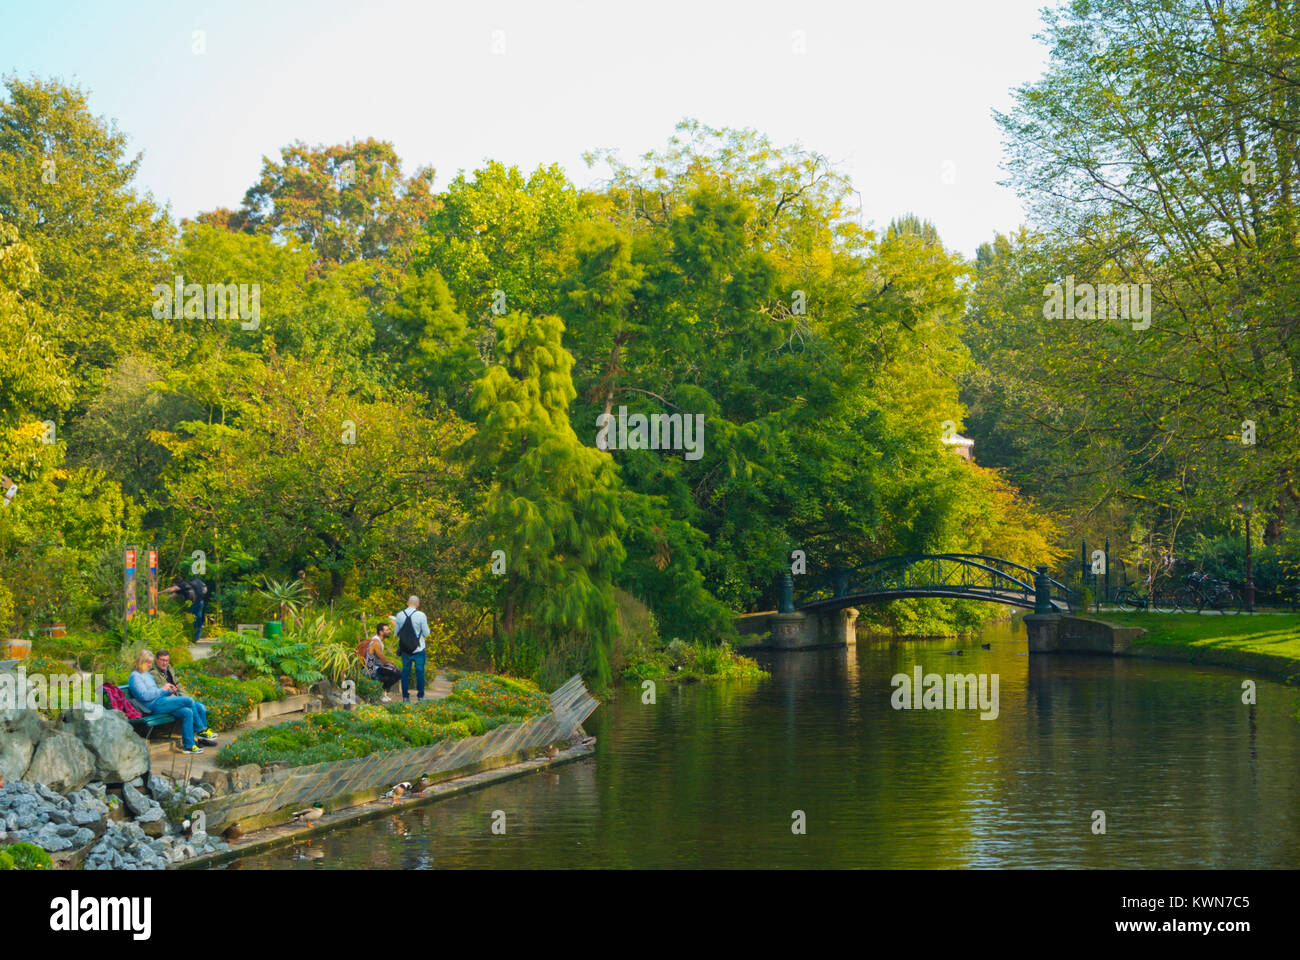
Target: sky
898 95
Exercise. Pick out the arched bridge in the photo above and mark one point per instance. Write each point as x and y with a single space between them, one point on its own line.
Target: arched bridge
954 576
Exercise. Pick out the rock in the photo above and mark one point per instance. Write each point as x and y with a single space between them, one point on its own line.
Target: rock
160 788
219 781
155 828
136 802
19 732
246 777
60 762
120 753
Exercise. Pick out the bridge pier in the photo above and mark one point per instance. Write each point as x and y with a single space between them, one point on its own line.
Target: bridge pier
1043 630
798 630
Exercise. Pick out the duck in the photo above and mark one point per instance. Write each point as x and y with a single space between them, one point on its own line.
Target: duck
586 741
310 815
954 653
550 753
986 646
421 785
232 832
397 792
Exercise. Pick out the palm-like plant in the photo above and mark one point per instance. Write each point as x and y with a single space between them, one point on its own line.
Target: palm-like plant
334 656
288 596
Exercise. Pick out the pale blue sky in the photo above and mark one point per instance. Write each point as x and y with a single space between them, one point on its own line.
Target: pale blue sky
892 92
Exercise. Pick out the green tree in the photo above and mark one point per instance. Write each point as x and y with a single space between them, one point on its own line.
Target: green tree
347 202
552 503
66 184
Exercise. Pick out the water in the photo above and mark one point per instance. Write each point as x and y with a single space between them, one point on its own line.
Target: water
710 776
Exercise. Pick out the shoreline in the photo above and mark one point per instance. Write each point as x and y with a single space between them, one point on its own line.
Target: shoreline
372 808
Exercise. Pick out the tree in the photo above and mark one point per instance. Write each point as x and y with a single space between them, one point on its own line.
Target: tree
65 184
552 503
1158 152
347 202
297 467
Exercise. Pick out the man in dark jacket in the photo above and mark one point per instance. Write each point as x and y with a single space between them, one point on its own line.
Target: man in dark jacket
193 592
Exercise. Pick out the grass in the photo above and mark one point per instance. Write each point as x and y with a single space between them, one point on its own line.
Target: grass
1267 642
478 702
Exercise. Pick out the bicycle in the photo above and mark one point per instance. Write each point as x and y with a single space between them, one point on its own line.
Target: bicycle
1161 600
1201 591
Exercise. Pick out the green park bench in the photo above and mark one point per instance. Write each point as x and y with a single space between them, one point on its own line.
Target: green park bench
145 724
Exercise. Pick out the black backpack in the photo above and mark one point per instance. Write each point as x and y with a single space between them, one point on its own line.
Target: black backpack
407 641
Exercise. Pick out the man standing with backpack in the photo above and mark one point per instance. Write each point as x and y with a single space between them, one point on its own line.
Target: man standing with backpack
412 629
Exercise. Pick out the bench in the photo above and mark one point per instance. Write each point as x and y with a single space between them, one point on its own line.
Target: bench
145 724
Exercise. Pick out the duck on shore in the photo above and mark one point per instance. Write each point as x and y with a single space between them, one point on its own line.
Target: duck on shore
232 832
309 815
397 792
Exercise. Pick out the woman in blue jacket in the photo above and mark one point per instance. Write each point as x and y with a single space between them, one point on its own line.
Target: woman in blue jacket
156 700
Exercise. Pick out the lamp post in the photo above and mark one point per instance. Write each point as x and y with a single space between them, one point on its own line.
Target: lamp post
1246 505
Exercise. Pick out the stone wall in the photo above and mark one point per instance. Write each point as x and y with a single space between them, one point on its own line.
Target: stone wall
1058 633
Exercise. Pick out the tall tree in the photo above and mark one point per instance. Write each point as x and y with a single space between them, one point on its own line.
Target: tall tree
552 504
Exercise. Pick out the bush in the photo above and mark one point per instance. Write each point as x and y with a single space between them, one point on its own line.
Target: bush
271 657
227 700
6 861
28 856
700 661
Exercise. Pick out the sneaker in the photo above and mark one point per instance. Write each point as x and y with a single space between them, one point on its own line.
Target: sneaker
385 699
194 749
206 741
208 734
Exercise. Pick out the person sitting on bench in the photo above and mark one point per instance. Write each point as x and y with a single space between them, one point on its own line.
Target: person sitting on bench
167 682
156 700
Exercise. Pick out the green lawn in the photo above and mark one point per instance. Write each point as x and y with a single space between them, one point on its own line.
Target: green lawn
1230 640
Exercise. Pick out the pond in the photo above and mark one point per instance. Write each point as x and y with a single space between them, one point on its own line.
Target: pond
1185 774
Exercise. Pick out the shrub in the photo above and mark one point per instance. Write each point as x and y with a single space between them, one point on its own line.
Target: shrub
6 861
227 700
272 657
28 856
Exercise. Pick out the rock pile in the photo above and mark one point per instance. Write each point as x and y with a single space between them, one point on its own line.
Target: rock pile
71 824
126 846
34 813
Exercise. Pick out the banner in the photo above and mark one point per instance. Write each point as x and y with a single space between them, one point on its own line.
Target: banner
153 582
128 584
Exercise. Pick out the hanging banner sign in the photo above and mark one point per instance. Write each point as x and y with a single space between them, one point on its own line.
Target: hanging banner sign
153 582
128 584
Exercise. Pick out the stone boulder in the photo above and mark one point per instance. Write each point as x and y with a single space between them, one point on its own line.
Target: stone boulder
120 754
20 731
61 762
245 777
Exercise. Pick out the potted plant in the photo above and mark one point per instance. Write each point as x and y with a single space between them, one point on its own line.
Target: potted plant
48 617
